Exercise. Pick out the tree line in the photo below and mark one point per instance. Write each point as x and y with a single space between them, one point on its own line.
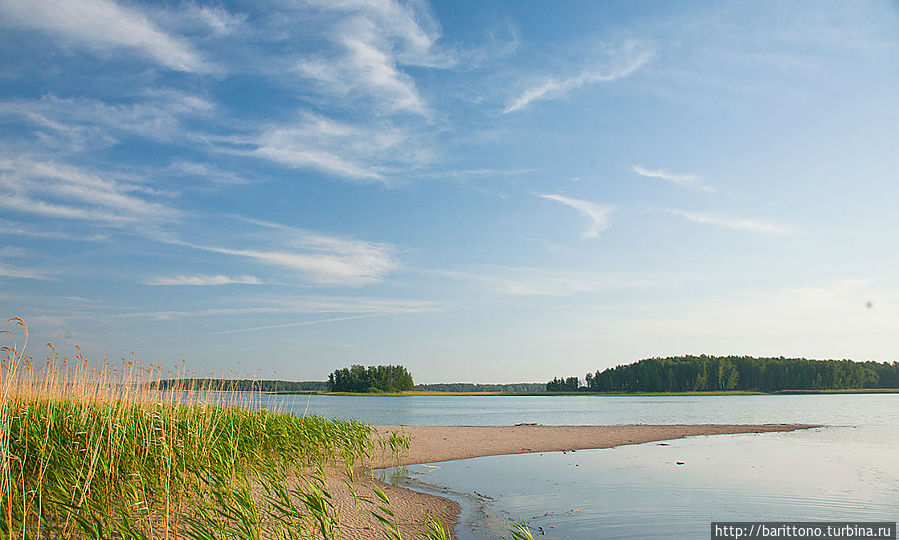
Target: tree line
522 388
734 373
568 384
359 379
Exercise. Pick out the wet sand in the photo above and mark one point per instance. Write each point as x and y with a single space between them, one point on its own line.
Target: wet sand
444 443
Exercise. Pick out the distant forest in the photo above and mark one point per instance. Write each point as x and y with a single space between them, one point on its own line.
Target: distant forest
475 387
349 381
739 373
359 379
241 385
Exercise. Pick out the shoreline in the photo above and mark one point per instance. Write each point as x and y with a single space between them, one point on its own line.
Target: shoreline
425 393
431 444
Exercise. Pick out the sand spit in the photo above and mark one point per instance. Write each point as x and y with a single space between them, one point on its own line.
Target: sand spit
444 443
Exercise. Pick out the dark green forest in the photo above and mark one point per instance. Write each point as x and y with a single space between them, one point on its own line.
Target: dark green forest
359 379
568 384
242 385
734 373
476 387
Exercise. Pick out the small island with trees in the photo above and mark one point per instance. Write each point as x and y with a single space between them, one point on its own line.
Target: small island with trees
374 379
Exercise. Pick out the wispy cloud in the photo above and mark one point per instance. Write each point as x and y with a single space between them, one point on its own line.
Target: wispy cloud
373 41
624 62
208 172
691 181
64 191
529 281
771 228
23 273
84 123
369 68
352 264
294 324
204 280
355 152
101 25
597 214
476 173
318 259
292 304
21 229
219 20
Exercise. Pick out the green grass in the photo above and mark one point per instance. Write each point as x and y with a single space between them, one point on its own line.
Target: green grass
122 462
90 451
95 452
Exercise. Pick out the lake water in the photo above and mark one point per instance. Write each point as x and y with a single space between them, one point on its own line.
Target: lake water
641 491
848 470
829 409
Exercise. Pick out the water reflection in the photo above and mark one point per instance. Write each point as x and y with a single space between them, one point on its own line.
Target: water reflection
641 491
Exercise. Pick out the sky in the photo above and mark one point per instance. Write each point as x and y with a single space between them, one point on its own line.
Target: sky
480 191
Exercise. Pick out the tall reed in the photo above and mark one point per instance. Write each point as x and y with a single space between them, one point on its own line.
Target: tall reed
101 451
93 450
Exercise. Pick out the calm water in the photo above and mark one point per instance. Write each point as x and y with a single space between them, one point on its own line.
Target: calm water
641 492
848 470
840 410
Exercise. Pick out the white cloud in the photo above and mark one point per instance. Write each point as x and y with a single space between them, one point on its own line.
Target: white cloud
267 305
632 57
318 259
374 39
771 228
684 180
204 280
90 123
219 20
375 70
21 229
103 24
598 214
63 191
23 273
353 264
350 151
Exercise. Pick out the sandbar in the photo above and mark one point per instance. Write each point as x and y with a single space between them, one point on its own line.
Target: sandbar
431 444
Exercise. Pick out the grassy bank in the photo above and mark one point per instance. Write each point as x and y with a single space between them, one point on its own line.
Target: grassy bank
92 451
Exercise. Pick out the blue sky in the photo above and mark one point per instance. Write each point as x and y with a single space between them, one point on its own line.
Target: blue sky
480 191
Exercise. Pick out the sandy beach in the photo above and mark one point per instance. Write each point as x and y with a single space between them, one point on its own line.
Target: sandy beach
444 443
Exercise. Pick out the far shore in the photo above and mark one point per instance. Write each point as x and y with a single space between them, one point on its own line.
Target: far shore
590 394
430 444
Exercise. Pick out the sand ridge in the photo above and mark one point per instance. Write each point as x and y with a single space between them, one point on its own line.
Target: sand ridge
444 443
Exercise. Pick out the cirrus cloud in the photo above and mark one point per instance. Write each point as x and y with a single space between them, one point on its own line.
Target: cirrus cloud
623 63
103 24
204 280
597 214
